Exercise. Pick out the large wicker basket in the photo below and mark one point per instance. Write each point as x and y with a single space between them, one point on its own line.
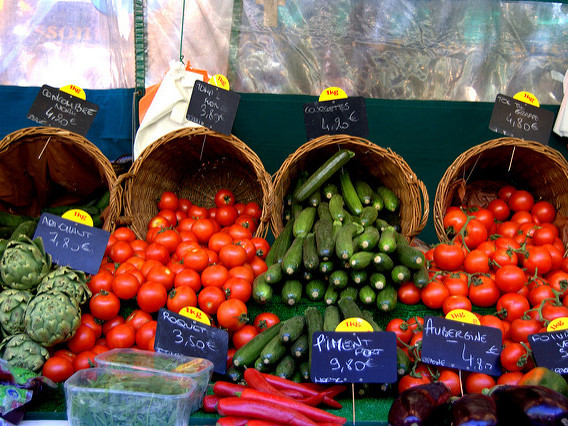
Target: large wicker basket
382 164
195 163
46 167
481 170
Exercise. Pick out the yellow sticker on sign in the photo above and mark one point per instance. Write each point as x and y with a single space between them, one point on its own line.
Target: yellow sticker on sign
527 98
219 80
558 324
75 91
195 314
354 324
463 316
332 93
79 216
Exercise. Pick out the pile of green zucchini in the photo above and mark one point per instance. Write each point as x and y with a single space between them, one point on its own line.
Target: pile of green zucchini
284 349
341 239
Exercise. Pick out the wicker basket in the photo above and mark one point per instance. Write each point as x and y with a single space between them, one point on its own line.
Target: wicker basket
484 168
46 166
195 163
383 164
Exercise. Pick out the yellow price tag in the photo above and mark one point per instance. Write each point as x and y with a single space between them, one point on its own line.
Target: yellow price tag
195 314
527 98
219 80
79 216
558 324
354 324
332 93
463 316
75 91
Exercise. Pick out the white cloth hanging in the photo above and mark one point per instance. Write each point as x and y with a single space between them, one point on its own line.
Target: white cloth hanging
561 124
168 109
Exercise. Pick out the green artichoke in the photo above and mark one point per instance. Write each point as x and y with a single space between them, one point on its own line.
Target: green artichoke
69 281
13 304
52 318
24 263
21 351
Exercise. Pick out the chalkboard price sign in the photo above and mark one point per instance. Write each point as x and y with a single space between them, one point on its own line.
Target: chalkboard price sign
551 350
339 116
213 107
72 244
347 357
55 108
180 335
456 344
518 119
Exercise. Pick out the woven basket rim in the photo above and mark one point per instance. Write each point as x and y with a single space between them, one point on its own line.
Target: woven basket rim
416 194
115 204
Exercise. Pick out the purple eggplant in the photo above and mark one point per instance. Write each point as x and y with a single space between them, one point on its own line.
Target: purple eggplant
415 405
530 405
474 409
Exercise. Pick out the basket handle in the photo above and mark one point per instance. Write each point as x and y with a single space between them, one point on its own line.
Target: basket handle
117 187
425 204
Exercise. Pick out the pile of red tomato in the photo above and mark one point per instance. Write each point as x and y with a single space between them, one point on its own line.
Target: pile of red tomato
508 255
192 256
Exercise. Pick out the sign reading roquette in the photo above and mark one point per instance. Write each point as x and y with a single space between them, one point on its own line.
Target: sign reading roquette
454 344
180 335
353 357
550 350
55 108
72 244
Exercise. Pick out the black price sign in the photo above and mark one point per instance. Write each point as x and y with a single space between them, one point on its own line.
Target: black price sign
180 335
347 357
551 350
455 344
55 108
213 107
518 119
339 116
72 244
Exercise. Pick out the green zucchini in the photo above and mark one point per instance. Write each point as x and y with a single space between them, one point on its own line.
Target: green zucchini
324 238
273 351
377 280
331 318
348 292
26 228
247 354
314 322
383 262
339 278
350 196
12 220
420 278
377 201
296 209
344 242
367 295
310 256
261 366
273 274
286 367
329 189
280 245
387 242
331 295
293 258
291 292
314 199
369 239
304 222
400 274
403 362
364 191
261 291
368 216
361 260
392 202
336 209
304 370
307 276
315 289
349 308
323 211
292 329
299 347
381 224
411 257
235 374
326 267
387 299
323 173
359 276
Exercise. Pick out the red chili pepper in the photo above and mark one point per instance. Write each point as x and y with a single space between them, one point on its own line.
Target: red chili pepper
222 388
263 410
256 422
313 413
293 394
210 403
232 421
256 380
285 384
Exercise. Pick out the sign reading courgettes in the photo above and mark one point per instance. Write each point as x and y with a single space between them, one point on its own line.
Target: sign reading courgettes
335 117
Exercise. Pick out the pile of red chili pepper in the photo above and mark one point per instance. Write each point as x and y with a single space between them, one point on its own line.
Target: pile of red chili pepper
267 400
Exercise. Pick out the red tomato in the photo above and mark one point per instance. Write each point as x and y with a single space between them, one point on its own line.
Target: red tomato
485 216
120 251
538 293
99 349
500 209
544 211
448 257
558 280
247 222
244 271
125 286
242 336
214 275
506 191
493 321
510 278
226 215
169 239
407 381
111 323
218 240
158 252
124 234
203 229
198 212
84 360
453 221
522 217
104 305
511 306
232 255
538 260
521 200
456 284
168 201
121 336
253 210
545 234
169 215
510 378
262 247
511 357
483 292
522 328
224 197
181 297
196 259
188 277
475 234
111 240
258 266
185 225
238 232
476 261
487 247
502 257
265 320
163 275
159 222
433 294
556 255
138 318
58 369
476 382
151 296
185 247
452 380
209 299
145 334
102 280
237 288
408 293
184 204
401 329
83 340
90 321
456 302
